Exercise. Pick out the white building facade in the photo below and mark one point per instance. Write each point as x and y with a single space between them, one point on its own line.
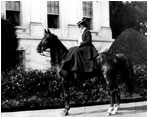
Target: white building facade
60 17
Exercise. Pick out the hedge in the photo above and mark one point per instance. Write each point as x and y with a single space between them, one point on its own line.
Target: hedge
133 44
9 44
35 89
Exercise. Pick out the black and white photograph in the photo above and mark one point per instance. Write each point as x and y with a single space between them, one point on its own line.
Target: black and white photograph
76 58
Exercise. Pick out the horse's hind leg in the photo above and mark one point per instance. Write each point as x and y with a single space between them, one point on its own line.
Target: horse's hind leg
112 101
117 97
117 102
65 84
107 78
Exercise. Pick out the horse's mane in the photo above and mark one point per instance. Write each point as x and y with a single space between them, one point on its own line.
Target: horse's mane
58 51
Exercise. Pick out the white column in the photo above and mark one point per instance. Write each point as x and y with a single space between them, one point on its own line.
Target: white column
25 14
96 16
69 18
104 13
43 14
36 26
35 10
3 9
105 31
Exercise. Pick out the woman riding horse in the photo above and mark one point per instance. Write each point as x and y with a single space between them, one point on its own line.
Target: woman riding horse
114 68
80 58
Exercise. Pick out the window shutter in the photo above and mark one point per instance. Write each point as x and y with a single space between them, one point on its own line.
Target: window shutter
53 7
13 5
87 9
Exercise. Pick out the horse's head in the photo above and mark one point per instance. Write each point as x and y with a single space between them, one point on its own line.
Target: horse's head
57 49
47 42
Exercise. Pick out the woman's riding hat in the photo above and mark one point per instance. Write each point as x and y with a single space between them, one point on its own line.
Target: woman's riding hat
83 21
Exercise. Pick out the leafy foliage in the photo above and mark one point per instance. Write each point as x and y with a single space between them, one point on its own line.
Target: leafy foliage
133 44
34 89
9 43
141 79
20 83
124 15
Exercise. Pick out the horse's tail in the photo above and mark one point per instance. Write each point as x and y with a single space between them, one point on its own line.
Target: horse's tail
127 72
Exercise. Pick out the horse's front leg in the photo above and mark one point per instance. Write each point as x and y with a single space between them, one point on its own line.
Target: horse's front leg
65 84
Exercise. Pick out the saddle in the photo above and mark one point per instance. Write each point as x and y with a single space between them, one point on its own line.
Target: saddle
88 65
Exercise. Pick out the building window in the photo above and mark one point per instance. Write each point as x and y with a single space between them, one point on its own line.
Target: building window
53 14
88 12
13 11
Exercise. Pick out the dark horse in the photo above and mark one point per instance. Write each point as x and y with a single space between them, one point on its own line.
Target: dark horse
113 68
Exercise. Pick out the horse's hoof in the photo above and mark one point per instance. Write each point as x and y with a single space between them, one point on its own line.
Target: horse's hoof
109 114
64 112
110 110
115 110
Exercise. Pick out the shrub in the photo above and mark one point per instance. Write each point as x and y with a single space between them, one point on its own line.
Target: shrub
20 83
133 44
9 45
35 89
29 86
141 80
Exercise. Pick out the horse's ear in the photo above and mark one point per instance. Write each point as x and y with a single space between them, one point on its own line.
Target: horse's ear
45 30
49 31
